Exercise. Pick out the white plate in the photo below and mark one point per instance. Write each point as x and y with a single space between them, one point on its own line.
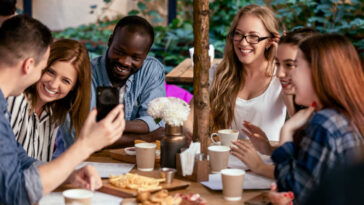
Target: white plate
130 151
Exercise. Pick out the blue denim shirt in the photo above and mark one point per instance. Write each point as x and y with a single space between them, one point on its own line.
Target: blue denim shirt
140 88
20 181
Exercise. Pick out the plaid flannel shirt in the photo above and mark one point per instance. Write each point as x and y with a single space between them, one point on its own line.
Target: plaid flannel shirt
329 140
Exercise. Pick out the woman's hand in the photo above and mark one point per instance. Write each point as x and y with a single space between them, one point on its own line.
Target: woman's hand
245 151
297 121
97 135
86 177
257 138
274 40
280 198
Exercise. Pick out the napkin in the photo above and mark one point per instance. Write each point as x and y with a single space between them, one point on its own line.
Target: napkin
188 158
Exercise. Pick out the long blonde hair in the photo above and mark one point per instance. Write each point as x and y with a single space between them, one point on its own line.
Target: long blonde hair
229 74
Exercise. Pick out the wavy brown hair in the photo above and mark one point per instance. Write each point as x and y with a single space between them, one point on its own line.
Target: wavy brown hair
77 102
337 75
230 72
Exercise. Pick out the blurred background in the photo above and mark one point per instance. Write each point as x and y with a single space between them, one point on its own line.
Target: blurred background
92 21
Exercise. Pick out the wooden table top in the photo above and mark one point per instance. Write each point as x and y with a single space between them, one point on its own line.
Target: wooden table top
183 72
212 197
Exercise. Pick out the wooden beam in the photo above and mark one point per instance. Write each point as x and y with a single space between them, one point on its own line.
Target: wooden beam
201 61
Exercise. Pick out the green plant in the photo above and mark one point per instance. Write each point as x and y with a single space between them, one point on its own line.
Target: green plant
94 36
334 16
172 41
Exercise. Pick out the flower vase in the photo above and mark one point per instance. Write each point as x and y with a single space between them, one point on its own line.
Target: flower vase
171 144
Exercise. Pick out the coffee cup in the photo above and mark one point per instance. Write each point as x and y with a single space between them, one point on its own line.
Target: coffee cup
145 156
232 184
77 197
219 157
225 136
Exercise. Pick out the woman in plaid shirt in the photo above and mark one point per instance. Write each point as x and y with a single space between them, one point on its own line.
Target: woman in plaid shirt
328 134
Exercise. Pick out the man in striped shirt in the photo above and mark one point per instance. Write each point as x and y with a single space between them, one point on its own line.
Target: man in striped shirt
24 51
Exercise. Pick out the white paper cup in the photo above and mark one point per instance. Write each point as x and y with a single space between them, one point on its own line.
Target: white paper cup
219 157
232 183
145 156
77 197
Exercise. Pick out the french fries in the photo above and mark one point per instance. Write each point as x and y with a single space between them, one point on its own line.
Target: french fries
136 182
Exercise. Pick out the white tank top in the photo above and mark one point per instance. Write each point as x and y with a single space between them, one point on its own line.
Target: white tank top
266 111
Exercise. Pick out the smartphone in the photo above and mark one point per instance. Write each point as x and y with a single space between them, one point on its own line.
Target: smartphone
107 98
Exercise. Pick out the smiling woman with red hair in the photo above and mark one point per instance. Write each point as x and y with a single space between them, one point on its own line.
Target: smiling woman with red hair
64 88
329 79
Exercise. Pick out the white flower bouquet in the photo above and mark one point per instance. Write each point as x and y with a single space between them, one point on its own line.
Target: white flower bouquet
173 111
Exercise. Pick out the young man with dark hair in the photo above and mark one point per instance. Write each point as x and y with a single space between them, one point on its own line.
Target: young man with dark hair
7 9
127 66
24 51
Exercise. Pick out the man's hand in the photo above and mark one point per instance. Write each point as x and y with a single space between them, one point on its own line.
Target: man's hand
86 177
96 135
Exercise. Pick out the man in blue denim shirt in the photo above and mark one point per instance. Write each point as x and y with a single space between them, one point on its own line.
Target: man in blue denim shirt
24 51
125 65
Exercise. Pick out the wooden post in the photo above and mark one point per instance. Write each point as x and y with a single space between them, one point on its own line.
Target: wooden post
201 61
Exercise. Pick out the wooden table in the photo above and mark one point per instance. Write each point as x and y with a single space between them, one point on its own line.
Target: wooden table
183 72
212 197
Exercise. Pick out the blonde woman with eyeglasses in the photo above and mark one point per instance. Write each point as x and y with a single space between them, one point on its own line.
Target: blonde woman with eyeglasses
243 87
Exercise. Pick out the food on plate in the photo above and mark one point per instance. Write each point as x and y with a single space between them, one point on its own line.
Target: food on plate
191 199
159 198
135 182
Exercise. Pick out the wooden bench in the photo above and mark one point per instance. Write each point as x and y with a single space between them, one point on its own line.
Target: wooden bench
183 72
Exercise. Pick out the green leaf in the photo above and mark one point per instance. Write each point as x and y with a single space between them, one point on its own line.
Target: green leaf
142 6
133 13
153 13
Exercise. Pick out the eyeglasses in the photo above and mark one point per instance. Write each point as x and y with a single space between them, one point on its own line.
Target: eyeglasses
253 39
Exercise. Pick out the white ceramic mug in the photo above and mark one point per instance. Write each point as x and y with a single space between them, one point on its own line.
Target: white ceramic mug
225 136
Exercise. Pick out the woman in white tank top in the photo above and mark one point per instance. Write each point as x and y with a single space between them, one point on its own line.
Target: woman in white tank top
243 86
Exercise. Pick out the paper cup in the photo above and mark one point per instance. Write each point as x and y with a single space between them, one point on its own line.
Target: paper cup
219 157
77 197
232 183
145 156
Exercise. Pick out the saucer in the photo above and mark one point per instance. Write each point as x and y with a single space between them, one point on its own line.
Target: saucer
130 151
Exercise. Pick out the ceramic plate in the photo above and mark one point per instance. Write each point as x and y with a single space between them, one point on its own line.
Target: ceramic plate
130 150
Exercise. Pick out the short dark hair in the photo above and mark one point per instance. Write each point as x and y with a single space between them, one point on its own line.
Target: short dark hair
296 36
7 7
136 24
22 37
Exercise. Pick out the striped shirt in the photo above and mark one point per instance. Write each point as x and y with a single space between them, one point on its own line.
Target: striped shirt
330 140
36 134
